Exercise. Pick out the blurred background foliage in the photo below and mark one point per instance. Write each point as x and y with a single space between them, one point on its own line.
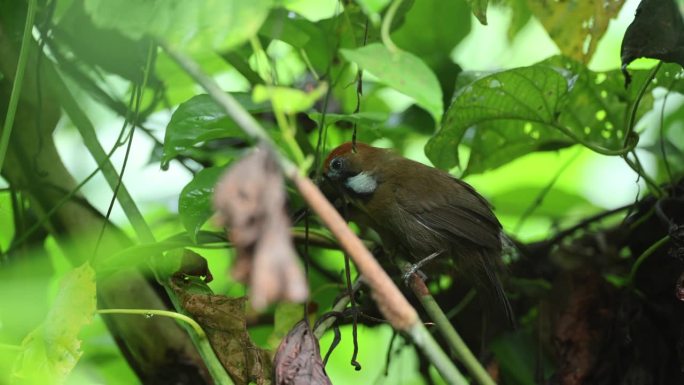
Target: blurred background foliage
463 97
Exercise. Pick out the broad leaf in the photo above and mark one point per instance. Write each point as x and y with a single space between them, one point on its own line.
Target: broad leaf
576 26
195 202
200 119
52 350
402 71
551 105
656 32
195 25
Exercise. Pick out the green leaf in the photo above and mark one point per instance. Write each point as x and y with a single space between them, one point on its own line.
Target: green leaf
195 25
281 27
195 202
402 71
548 106
288 100
479 8
589 21
200 119
52 350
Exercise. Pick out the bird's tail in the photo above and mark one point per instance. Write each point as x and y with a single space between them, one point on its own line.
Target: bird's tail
492 269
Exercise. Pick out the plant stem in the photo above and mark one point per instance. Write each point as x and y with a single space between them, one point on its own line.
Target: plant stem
635 106
216 369
387 24
392 304
422 337
449 333
18 81
647 253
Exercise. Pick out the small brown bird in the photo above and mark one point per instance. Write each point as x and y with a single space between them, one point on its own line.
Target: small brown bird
421 212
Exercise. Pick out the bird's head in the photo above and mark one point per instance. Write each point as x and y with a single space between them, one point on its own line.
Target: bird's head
354 167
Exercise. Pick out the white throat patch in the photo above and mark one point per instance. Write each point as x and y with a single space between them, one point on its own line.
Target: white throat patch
362 183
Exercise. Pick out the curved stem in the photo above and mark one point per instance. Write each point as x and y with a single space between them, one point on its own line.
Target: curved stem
164 313
18 81
647 253
635 106
387 24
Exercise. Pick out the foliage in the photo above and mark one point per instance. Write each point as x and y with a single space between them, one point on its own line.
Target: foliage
533 139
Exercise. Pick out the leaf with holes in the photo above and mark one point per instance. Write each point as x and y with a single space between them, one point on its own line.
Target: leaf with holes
402 71
551 105
198 25
195 201
589 21
200 119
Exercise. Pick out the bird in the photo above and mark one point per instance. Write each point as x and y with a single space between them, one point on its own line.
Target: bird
422 214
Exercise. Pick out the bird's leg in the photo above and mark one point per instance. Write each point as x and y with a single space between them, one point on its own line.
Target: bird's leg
415 268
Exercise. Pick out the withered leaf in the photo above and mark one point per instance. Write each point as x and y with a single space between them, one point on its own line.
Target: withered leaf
298 359
250 200
657 32
223 319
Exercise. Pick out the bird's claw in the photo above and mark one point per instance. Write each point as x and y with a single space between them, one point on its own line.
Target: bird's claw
415 268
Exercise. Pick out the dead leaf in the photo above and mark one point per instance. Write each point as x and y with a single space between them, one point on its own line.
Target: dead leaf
250 199
223 319
576 26
298 359
657 32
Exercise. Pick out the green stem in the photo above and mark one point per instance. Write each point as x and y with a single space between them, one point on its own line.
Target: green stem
650 183
449 333
387 24
647 253
10 347
216 369
87 131
18 81
424 340
635 106
339 307
164 313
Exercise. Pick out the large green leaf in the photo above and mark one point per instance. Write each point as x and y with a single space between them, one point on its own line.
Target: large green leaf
52 350
547 106
200 119
402 71
195 25
195 201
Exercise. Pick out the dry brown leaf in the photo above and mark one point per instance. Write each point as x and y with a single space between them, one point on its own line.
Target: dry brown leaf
223 319
298 359
250 199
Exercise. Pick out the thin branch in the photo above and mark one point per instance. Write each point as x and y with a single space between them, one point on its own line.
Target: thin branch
647 253
448 331
393 305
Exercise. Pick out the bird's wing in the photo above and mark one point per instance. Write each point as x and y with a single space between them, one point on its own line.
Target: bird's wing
450 208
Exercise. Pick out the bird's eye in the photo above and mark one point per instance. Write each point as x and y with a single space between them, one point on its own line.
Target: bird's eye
336 164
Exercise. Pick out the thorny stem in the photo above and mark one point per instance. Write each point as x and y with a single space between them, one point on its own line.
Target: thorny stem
448 331
387 24
393 305
18 81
